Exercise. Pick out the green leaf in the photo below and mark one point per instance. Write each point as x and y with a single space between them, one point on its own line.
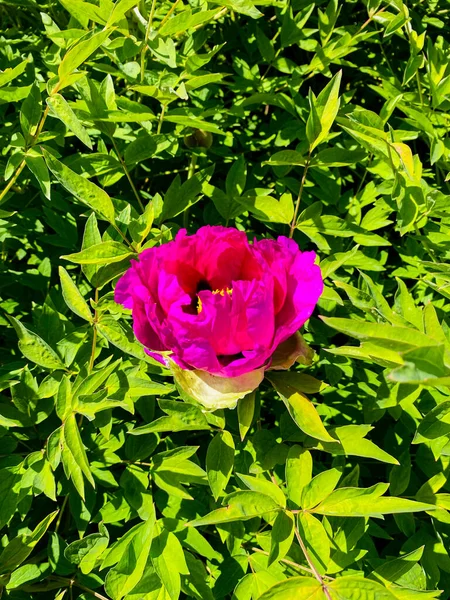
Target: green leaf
61 109
348 588
84 190
122 578
246 412
20 547
121 336
219 462
64 398
299 406
323 112
316 540
298 473
300 588
79 53
169 562
281 536
359 502
119 10
240 507
259 484
319 487
30 113
182 417
34 348
37 166
72 296
245 7
11 73
100 254
73 443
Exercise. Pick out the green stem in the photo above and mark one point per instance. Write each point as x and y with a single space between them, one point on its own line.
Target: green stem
147 34
299 197
161 118
72 582
169 14
94 333
20 168
315 572
58 522
190 174
127 173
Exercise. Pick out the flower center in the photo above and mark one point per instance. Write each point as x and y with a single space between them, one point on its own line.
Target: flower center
203 286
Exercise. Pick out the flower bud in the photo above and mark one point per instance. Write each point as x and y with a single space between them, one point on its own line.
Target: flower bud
199 138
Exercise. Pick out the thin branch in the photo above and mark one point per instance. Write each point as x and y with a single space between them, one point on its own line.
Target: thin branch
315 572
94 333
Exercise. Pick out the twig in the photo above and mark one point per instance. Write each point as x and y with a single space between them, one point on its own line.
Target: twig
161 118
94 333
315 572
73 582
58 522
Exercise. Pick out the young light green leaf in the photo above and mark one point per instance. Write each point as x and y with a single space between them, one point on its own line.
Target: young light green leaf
72 296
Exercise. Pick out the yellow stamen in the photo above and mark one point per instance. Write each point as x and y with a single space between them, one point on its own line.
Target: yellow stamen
229 291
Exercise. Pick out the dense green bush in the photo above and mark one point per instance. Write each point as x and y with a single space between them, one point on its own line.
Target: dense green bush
121 123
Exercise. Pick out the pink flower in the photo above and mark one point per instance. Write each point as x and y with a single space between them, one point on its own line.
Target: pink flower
219 304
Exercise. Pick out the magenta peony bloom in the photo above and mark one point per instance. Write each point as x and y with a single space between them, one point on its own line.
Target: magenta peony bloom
219 304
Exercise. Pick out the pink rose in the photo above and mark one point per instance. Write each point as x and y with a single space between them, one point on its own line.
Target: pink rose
220 305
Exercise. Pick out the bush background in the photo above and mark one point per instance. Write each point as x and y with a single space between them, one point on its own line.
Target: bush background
341 109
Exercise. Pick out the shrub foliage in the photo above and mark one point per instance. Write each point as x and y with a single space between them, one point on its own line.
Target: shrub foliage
121 123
